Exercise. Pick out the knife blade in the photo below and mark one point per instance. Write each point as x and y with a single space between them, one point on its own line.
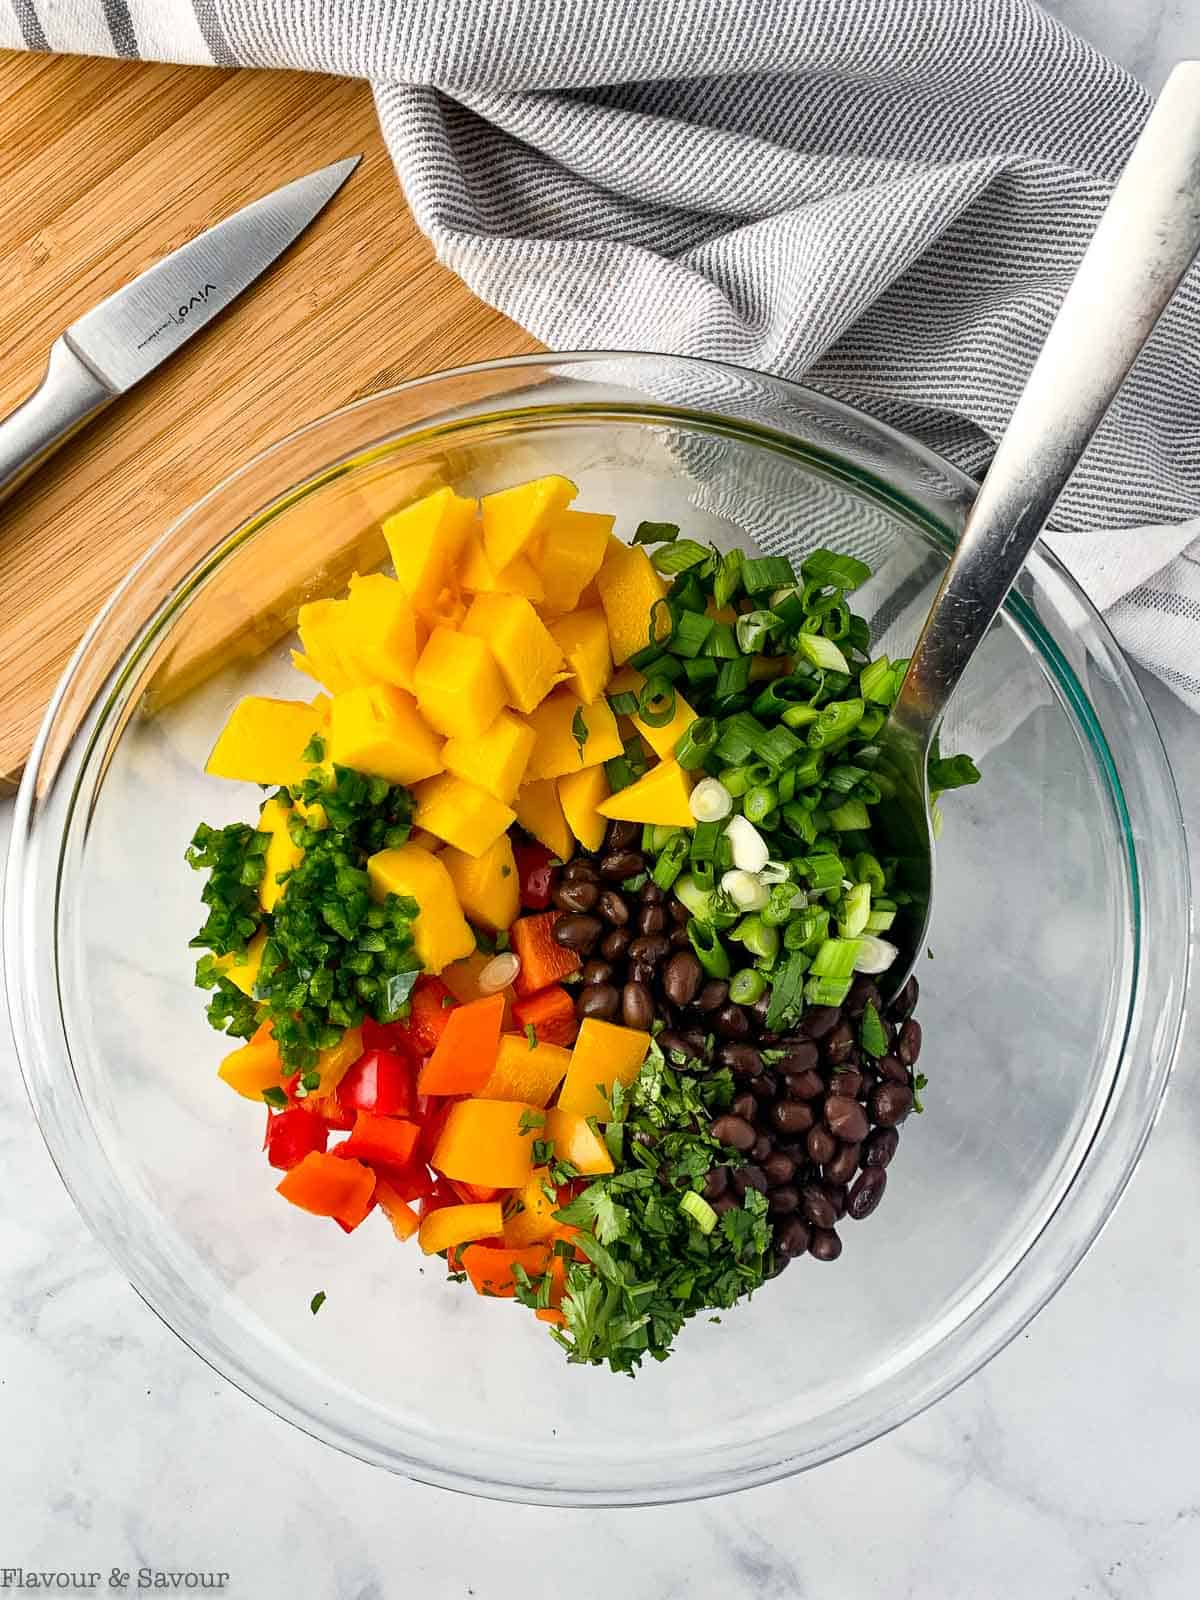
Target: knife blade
120 341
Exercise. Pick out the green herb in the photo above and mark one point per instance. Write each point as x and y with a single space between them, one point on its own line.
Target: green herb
579 730
317 1301
311 1082
275 1096
530 1121
656 533
531 1035
919 1083
235 859
314 750
871 1032
638 881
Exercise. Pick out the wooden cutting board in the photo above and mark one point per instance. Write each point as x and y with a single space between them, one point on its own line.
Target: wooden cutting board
104 167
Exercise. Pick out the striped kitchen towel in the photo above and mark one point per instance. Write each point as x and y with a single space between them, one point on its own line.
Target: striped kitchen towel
884 197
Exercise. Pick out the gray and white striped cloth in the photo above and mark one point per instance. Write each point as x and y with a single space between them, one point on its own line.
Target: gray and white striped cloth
886 197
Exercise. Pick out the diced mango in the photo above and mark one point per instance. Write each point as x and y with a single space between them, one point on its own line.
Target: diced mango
525 1073
662 740
581 794
253 1067
382 627
324 639
283 855
569 555
459 688
583 639
540 813
427 841
660 796
334 1063
604 1054
497 759
486 885
461 813
440 933
323 706
629 588
425 540
477 575
264 742
241 966
513 518
575 1142
378 729
529 660
571 735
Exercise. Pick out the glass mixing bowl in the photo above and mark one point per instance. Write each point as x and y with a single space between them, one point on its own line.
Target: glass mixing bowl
1052 995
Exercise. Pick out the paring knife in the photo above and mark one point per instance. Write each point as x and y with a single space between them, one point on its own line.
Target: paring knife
128 335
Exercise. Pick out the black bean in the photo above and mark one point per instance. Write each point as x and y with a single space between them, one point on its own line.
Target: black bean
599 1000
622 864
649 949
847 1081
637 1006
820 1145
908 1045
678 939
824 1245
651 919
842 1166
792 1116
679 912
716 1182
712 996
880 1147
725 1202
579 872
890 1103
800 1055
613 907
778 1168
596 972
764 1144
621 835
731 1022
744 1105
792 1238
845 1118
905 1002
734 1131
652 895
742 1059
863 992
578 895
614 945
803 1085
866 1193
698 1039
749 1177
838 1195
817 1021
838 1043
574 931
675 1044
892 1070
783 1200
681 977
817 1207
763 1087
642 972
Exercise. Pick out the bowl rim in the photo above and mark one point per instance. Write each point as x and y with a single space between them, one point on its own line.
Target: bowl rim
963 1350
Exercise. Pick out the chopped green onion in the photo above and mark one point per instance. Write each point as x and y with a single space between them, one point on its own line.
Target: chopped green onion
625 769
879 921
822 872
799 716
648 656
740 739
843 779
695 743
698 1209
722 643
826 991
660 832
807 771
807 930
670 861
788 606
700 669
835 958
840 571
697 900
704 875
710 952
836 622
952 772
778 696
759 802
782 901
704 840
766 572
678 556
875 681
821 652
691 633
835 722
850 814
733 678
856 908
728 579
779 746
710 801
658 619
873 718
798 820
656 707
656 533
786 786
624 704
858 635
747 986
867 869
759 937
754 628
687 593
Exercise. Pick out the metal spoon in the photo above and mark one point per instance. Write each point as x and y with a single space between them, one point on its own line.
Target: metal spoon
1146 240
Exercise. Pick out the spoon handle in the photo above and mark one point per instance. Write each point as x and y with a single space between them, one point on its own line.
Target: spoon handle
1146 240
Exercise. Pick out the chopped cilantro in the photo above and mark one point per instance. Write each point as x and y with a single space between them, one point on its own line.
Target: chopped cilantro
317 1301
919 1083
275 1096
530 1120
314 750
531 1035
579 730
871 1034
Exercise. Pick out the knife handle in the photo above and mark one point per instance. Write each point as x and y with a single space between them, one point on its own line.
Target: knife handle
69 395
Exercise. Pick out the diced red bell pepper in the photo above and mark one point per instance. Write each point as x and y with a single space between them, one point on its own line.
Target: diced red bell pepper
387 1036
535 875
432 1113
290 1135
328 1109
414 1183
550 1012
387 1139
441 1194
381 1081
431 1005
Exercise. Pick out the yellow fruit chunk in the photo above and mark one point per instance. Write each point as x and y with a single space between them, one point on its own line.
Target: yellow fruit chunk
529 660
659 796
381 626
322 705
477 575
324 640
378 729
496 760
427 841
629 588
461 813
583 639
569 556
254 1067
264 742
603 1055
486 885
521 1073
534 1220
575 1142
333 1064
241 966
282 854
571 735
661 740
539 811
581 793
425 540
458 685
440 933
513 518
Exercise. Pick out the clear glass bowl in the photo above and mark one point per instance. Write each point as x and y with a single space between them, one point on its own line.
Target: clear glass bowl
1051 1004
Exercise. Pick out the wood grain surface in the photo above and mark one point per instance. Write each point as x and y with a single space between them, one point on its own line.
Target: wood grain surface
104 167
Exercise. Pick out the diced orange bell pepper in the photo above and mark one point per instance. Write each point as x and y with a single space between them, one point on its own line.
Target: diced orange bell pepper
473 1193
551 1014
391 1140
575 1142
543 961
523 1072
491 1270
431 1005
465 1054
451 1225
534 1222
396 1209
329 1187
552 1315
489 1142
416 1182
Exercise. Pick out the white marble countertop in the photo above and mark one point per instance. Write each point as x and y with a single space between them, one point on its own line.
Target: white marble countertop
1066 1469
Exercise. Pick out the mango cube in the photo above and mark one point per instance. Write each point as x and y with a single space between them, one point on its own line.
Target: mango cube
382 628
325 641
569 556
461 813
571 735
662 740
477 575
282 854
530 662
264 742
458 684
440 933
486 885
496 761
241 967
425 540
629 588
583 639
540 813
659 796
255 1066
581 794
513 518
377 729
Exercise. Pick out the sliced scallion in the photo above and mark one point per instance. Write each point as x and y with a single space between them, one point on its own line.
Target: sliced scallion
840 571
695 743
761 573
678 556
691 633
